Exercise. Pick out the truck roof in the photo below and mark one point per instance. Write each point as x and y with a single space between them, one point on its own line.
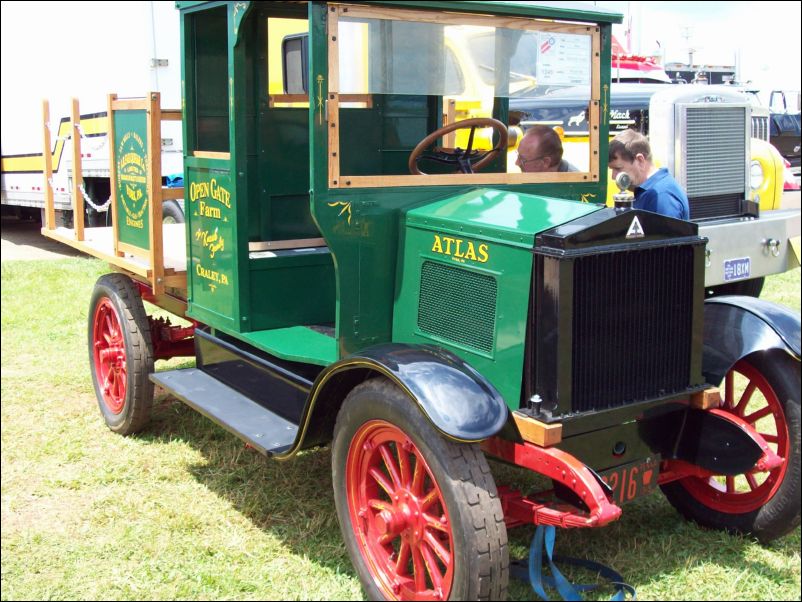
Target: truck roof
574 11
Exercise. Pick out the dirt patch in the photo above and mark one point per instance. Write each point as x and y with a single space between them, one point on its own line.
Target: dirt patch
23 240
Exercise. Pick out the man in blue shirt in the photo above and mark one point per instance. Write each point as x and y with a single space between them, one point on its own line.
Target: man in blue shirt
655 190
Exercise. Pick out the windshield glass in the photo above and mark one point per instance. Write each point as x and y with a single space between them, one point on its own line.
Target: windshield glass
428 94
384 56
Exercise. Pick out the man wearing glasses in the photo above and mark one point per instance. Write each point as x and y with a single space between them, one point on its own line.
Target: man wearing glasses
540 150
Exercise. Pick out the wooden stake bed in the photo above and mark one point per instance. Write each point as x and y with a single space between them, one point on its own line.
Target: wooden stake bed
137 242
99 242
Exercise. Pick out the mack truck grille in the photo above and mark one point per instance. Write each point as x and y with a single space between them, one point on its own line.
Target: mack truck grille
714 160
613 328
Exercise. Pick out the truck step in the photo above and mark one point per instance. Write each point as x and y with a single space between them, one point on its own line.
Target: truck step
267 432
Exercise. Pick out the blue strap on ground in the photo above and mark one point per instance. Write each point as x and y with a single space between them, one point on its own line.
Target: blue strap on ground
533 571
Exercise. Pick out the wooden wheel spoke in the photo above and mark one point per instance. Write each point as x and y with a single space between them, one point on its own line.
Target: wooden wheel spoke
431 566
744 401
417 478
752 481
403 466
378 504
391 465
755 416
403 559
434 523
430 499
730 484
418 569
770 438
442 553
381 481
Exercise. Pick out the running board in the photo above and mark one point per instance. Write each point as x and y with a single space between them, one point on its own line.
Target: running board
266 431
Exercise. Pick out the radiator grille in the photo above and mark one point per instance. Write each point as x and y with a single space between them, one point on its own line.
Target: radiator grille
632 326
715 153
760 127
721 205
458 305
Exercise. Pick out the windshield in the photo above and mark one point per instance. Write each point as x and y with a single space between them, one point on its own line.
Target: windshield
424 94
383 56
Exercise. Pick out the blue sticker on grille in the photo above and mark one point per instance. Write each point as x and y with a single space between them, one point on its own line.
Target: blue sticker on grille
737 269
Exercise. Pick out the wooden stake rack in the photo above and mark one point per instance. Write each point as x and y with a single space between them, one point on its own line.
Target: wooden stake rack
161 261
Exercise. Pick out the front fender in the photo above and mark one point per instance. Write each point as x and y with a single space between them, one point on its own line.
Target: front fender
458 400
737 326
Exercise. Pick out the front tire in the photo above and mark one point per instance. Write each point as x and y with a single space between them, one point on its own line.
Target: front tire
120 354
420 514
767 504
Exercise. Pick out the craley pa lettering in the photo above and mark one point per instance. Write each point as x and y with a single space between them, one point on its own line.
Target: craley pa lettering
459 249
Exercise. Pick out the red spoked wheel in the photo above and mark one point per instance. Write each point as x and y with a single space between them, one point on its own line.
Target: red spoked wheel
108 347
419 513
397 509
120 354
763 390
756 402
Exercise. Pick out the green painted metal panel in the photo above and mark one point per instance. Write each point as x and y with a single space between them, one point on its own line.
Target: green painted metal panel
500 215
131 158
480 297
290 288
297 344
210 209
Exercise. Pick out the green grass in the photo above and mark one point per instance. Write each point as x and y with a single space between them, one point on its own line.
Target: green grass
185 511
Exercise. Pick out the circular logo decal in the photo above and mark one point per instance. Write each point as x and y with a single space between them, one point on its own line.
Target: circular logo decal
132 175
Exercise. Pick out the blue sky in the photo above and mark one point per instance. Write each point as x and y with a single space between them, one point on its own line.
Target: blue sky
765 35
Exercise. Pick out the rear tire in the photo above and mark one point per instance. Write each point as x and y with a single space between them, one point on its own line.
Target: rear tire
120 354
171 212
766 505
420 514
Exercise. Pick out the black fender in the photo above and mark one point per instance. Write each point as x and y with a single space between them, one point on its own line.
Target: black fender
737 326
458 401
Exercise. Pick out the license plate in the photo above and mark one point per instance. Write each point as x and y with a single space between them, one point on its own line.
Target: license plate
737 269
632 480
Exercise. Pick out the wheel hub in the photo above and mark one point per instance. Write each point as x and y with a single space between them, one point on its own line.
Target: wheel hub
109 356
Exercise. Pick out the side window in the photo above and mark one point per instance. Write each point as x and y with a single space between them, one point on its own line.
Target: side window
295 63
210 90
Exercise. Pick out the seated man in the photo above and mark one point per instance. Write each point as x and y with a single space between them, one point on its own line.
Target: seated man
655 190
540 150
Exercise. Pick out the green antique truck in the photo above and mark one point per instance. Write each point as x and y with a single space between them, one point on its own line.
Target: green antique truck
348 280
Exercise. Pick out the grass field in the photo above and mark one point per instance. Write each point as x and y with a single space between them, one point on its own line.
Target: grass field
185 511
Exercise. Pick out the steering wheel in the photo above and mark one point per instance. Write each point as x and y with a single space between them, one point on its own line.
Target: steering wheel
464 160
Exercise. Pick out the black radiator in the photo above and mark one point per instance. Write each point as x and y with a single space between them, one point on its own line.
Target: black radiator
615 321
717 206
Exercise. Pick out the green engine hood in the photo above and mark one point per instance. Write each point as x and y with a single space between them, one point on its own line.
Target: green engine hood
501 216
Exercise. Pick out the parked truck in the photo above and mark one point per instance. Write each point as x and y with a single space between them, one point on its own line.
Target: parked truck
350 282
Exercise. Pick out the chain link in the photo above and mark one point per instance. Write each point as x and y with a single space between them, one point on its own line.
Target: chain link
97 142
98 208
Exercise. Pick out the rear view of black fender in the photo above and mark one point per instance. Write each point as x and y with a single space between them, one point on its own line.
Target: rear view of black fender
453 396
737 326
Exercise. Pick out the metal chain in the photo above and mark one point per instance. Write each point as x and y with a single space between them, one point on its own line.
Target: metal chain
98 142
98 208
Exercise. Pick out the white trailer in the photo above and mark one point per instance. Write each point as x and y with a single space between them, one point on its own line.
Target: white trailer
81 50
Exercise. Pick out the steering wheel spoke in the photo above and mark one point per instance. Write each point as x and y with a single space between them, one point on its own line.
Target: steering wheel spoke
464 161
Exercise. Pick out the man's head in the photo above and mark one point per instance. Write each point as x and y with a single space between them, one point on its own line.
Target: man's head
630 153
539 150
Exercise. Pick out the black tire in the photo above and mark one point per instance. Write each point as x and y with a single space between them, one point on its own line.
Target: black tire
471 523
171 212
772 509
747 288
120 354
